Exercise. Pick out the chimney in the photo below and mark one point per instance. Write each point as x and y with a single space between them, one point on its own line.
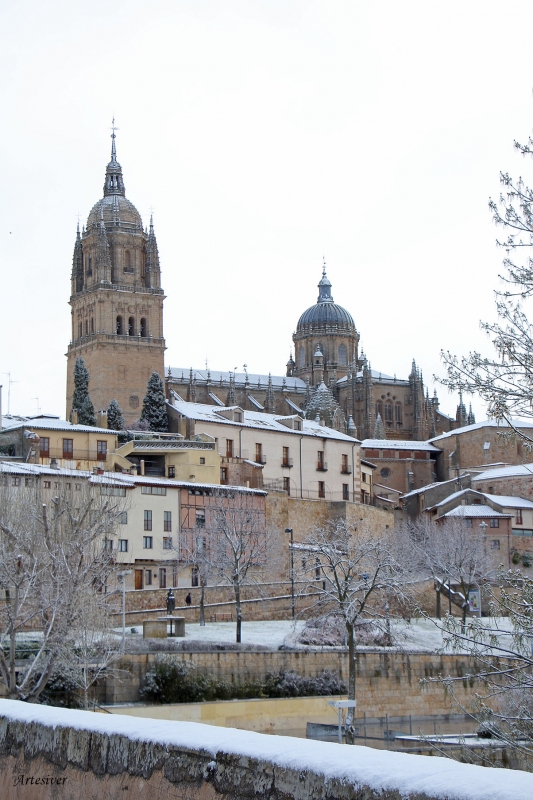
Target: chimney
74 417
101 419
54 463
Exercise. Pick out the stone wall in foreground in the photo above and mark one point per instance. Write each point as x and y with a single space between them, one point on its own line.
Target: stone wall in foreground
48 753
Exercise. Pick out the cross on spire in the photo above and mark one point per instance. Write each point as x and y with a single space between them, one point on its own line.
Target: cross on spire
113 137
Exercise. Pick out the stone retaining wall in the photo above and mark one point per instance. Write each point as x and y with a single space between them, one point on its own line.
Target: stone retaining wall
49 753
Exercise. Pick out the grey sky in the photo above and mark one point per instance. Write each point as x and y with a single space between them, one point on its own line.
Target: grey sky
264 135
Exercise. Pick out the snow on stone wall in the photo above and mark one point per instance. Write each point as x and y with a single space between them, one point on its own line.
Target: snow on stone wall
100 756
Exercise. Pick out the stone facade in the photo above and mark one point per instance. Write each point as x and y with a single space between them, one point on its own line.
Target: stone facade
400 467
117 301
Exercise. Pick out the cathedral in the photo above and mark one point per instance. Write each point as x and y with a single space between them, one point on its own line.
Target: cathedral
117 328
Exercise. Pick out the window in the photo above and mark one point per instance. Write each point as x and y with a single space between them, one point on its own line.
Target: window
148 577
90 266
388 411
224 476
147 521
237 416
27 481
44 447
172 472
148 542
345 491
364 477
16 482
518 516
122 546
259 453
144 329
194 576
317 569
229 448
468 523
321 489
320 463
68 486
101 450
200 519
379 410
114 491
384 472
162 578
287 485
123 518
345 466
495 523
153 490
131 326
495 544
202 459
167 543
68 448
343 355
285 457
398 413
108 544
119 327
201 544
127 261
77 486
167 523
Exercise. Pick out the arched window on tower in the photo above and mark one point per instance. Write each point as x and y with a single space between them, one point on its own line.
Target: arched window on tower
398 413
127 262
343 355
119 328
144 328
388 411
131 327
301 357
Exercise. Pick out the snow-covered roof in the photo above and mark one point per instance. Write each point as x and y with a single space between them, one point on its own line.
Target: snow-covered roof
55 424
427 487
397 444
376 376
514 471
510 502
474 511
488 423
278 381
201 412
455 496
116 478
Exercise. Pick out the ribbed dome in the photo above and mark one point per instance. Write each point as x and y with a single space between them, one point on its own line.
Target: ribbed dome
115 208
325 311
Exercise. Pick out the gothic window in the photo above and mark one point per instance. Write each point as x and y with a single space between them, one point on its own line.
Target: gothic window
301 357
388 411
398 413
131 327
379 410
86 327
90 266
127 262
144 331
343 355
92 324
80 330
119 326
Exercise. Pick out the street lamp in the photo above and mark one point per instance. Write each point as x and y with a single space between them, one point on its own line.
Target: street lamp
122 577
289 530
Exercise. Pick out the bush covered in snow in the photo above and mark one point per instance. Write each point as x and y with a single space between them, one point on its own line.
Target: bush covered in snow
173 681
330 631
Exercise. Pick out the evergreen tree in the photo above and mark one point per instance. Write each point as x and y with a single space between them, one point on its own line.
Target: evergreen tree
115 420
379 429
155 405
81 402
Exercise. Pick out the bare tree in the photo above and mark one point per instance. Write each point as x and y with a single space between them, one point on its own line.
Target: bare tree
358 571
450 552
239 546
52 561
505 380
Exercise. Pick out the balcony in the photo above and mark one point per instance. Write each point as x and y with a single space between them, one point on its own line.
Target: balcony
261 459
346 469
321 466
286 463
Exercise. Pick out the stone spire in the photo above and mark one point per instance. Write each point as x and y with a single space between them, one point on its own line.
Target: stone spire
270 402
77 264
191 389
470 420
114 182
153 271
230 400
103 256
461 418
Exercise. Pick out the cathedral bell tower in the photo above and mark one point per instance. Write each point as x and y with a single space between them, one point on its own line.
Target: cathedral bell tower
116 300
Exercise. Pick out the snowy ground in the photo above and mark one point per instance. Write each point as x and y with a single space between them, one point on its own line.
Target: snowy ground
422 635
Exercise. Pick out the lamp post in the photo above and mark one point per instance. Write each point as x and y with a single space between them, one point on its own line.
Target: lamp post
122 577
290 530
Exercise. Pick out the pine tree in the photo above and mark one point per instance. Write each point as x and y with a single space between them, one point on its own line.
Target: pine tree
115 420
81 402
155 405
379 429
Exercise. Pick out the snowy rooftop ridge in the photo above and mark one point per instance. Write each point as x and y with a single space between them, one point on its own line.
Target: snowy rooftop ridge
487 423
512 471
398 444
475 511
54 424
381 771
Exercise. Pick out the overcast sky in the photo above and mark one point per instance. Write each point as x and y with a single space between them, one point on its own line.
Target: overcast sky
264 134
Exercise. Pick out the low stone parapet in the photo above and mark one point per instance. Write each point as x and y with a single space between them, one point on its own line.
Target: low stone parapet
50 753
